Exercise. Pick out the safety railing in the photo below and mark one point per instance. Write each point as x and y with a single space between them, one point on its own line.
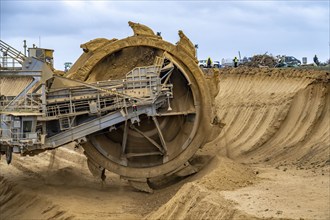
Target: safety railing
29 103
83 106
8 134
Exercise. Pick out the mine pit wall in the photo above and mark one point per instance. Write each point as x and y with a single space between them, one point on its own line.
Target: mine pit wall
277 116
274 116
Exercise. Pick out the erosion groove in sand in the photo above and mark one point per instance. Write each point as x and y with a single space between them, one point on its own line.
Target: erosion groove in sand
273 117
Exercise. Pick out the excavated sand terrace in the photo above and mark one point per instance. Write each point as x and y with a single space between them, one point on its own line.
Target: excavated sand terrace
271 161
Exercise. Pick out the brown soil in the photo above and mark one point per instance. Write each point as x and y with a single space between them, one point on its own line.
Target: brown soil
121 62
272 160
261 61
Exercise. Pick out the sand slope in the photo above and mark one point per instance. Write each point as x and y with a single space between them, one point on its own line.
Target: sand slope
17 204
275 117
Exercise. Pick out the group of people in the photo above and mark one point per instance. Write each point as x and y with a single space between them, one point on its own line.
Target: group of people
209 62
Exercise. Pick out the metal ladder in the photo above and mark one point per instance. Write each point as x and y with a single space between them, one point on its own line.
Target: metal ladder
65 123
158 63
12 52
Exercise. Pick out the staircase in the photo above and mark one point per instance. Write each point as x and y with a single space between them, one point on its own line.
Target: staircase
7 50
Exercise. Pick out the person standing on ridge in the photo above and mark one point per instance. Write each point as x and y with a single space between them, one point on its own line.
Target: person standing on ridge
316 60
209 62
235 62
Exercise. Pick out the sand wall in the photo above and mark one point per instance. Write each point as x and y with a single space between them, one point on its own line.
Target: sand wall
275 116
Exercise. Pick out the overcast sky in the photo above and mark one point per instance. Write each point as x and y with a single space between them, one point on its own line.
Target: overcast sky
220 28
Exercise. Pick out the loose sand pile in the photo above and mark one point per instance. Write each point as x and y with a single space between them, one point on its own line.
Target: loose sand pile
261 60
202 199
270 161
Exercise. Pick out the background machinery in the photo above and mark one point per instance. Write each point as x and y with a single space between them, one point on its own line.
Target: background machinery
139 107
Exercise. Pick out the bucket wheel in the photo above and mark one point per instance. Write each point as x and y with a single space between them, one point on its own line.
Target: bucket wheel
150 146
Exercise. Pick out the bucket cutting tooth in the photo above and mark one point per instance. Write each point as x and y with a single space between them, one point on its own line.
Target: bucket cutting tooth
95 169
141 185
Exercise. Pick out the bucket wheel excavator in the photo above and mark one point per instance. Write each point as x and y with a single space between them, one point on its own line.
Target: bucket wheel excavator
140 107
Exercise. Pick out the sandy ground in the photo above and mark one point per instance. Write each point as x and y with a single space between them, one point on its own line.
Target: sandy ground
58 185
270 162
285 193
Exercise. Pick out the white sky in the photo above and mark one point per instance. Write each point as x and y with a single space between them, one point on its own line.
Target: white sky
220 28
